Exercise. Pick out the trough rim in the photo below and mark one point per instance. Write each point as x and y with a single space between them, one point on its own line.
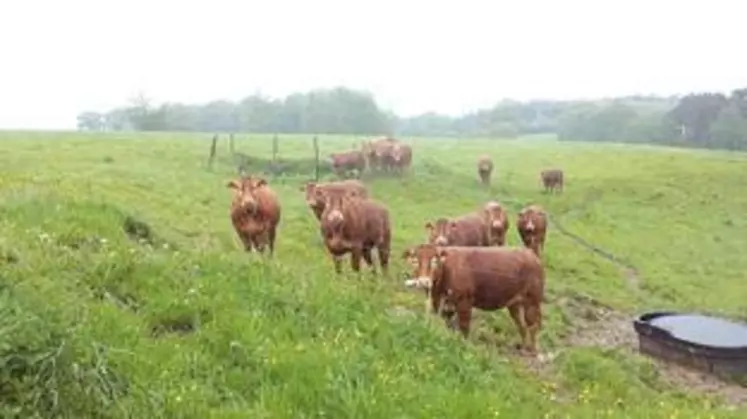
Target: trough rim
644 328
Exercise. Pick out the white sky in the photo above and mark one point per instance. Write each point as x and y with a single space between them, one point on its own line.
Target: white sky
59 57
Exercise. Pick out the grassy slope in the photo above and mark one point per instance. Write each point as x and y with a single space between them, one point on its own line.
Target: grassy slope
284 336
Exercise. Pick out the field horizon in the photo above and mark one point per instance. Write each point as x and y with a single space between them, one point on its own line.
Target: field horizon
125 291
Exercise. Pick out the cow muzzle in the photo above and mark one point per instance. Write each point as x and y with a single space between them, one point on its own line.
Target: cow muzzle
249 205
421 282
335 215
497 224
441 241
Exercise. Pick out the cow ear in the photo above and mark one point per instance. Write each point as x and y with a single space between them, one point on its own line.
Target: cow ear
407 254
453 225
260 182
234 184
429 226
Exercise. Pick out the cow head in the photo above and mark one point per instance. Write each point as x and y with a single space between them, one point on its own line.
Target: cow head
314 197
245 192
334 204
526 219
397 153
427 262
440 232
495 219
334 159
484 164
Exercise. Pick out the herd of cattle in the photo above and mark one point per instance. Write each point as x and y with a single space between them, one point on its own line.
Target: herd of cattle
464 264
384 154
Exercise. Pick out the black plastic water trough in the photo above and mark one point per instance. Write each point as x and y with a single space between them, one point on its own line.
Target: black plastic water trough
710 344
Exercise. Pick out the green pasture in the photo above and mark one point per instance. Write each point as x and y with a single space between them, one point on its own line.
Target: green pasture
124 291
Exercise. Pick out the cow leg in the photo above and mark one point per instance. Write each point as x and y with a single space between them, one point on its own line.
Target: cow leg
435 301
271 239
519 318
257 242
464 314
355 258
533 321
338 263
447 311
368 257
383 250
247 241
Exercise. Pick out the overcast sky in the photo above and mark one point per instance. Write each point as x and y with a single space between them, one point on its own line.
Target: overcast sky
59 57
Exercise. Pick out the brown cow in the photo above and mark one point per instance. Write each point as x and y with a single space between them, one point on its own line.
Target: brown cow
467 230
532 226
552 179
485 169
487 278
315 193
496 223
378 153
348 160
255 213
356 225
401 157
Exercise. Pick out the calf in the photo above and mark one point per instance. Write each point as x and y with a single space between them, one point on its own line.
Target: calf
255 213
315 193
532 226
485 169
467 230
496 223
487 278
552 179
346 161
354 225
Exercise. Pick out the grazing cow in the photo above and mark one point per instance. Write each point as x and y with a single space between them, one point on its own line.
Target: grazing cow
401 157
354 225
255 213
315 193
348 160
496 223
487 278
485 169
467 230
552 179
532 226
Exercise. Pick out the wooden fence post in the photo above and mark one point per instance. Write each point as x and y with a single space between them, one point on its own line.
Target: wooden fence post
212 151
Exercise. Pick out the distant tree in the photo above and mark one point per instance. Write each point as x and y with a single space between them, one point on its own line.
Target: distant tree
695 113
695 120
729 130
91 121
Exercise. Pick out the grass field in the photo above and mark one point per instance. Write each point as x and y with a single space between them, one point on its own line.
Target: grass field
86 310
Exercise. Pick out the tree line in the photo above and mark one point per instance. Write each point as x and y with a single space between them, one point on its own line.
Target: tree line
706 120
